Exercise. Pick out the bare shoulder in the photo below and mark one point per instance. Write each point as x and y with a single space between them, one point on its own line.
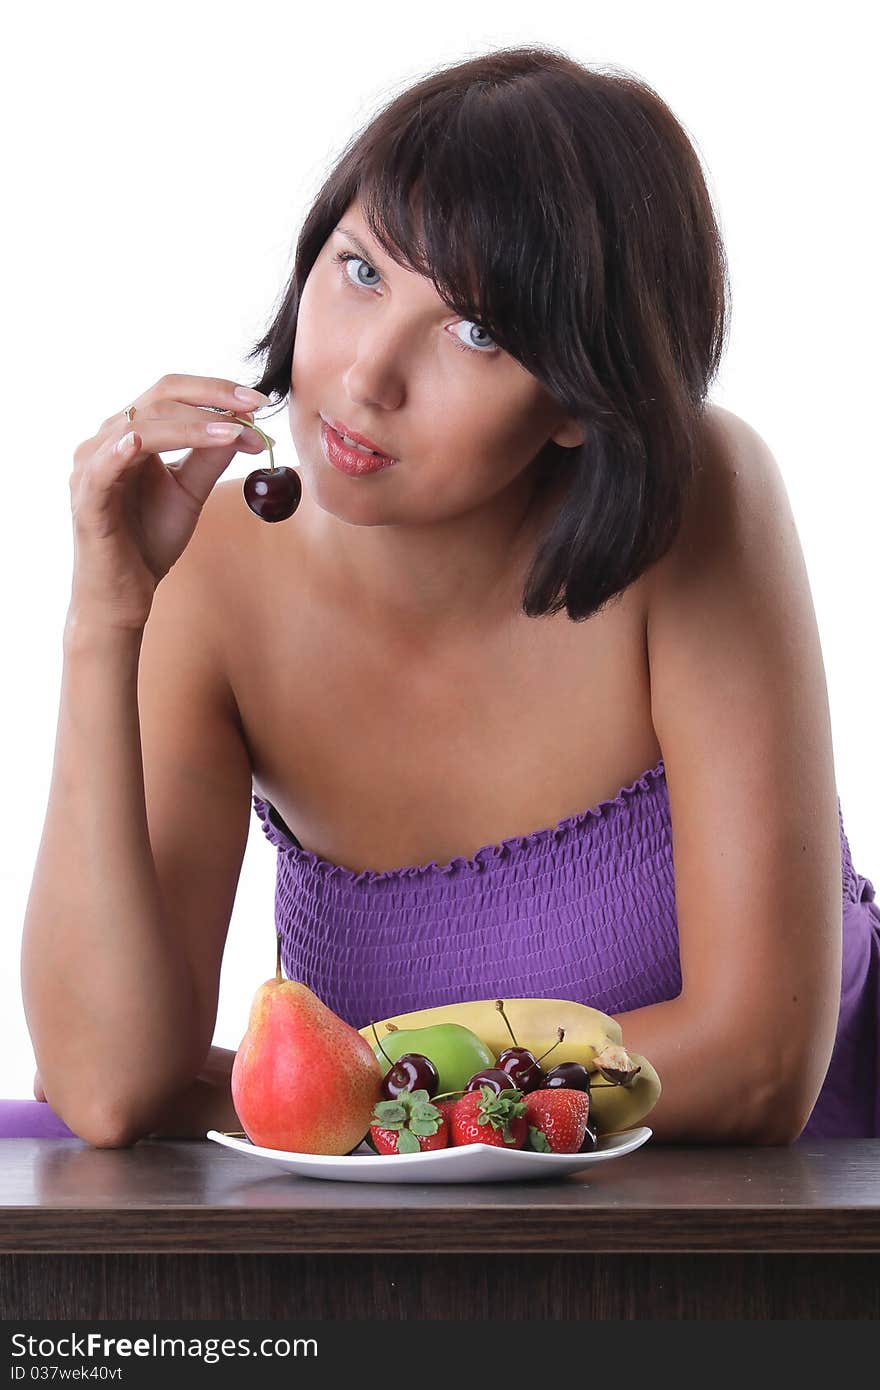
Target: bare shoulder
229 548
734 581
221 517
738 496
240 569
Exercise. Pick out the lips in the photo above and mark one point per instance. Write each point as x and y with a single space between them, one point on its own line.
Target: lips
352 435
357 463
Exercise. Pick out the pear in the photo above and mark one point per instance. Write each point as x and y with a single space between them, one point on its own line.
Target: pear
303 1079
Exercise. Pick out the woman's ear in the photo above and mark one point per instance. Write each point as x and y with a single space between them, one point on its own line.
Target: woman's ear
570 434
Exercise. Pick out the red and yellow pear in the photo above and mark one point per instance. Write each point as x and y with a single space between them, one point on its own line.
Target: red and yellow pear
303 1079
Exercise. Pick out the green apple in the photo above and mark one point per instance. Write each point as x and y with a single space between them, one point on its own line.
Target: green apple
455 1051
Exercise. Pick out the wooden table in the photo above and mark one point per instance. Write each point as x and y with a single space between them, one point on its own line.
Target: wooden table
194 1230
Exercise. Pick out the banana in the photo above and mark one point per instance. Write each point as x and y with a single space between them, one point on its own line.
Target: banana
616 1108
534 1021
589 1034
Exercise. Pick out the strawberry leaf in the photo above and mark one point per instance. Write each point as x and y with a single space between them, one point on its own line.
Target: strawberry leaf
498 1110
409 1114
407 1143
390 1114
424 1117
538 1141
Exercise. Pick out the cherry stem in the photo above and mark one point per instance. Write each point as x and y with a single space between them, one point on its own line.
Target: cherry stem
251 426
277 958
499 1004
381 1048
444 1095
561 1035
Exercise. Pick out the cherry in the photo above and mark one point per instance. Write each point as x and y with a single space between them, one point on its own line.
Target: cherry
569 1074
493 1077
411 1072
522 1067
591 1138
273 493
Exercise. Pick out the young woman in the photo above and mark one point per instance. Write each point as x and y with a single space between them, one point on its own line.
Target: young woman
568 581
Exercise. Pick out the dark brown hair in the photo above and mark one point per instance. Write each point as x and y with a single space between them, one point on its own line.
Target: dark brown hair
564 210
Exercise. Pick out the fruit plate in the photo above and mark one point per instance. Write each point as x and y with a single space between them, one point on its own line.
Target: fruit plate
459 1163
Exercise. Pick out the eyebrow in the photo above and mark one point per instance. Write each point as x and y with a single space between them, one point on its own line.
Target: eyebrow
368 256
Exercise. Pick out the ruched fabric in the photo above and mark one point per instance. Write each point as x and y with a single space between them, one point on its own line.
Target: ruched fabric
582 910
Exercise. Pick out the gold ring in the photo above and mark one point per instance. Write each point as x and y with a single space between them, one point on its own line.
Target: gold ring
129 412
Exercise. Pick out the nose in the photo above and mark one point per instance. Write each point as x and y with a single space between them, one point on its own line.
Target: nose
376 375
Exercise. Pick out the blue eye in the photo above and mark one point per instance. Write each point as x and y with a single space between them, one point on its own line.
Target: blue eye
343 257
475 347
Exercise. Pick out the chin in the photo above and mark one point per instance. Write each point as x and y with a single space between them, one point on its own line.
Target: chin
349 500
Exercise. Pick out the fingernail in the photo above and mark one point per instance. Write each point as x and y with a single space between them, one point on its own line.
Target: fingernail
224 431
244 393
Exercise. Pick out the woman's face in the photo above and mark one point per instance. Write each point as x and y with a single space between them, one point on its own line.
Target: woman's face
378 351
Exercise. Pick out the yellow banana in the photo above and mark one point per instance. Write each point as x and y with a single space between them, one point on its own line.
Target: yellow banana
588 1032
534 1021
620 1107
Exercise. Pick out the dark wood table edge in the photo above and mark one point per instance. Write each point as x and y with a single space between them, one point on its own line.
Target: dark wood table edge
285 1230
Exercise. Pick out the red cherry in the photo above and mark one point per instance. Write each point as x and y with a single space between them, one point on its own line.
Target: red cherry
571 1075
273 494
522 1067
411 1072
492 1077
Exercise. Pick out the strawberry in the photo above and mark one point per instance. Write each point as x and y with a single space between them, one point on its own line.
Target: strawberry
408 1124
557 1119
445 1107
482 1117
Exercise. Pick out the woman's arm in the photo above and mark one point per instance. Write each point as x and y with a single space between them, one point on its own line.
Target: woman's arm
740 706
204 1104
137 868
106 988
713 1089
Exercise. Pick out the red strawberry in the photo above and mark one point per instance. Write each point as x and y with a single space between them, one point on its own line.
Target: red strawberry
408 1124
387 1141
482 1117
445 1107
557 1119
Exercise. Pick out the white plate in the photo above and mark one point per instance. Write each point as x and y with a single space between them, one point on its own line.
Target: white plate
459 1163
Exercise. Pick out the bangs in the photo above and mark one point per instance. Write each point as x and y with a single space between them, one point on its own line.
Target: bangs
458 195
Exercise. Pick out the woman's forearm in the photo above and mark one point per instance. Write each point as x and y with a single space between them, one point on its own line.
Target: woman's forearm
107 987
713 1091
204 1104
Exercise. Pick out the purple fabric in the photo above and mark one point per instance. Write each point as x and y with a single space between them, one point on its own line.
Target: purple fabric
31 1119
583 910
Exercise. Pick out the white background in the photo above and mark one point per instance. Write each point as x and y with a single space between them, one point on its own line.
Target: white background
159 161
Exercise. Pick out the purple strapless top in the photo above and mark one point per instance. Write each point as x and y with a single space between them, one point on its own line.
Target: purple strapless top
583 910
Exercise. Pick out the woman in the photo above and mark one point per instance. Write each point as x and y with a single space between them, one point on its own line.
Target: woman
567 582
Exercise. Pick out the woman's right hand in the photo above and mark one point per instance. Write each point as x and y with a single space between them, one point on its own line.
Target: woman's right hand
134 515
